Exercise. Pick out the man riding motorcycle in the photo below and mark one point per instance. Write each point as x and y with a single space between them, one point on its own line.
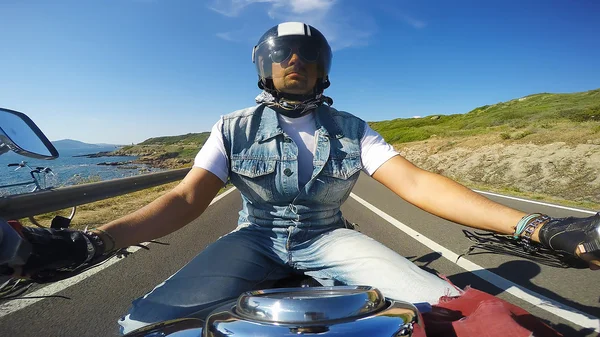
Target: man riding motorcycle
295 159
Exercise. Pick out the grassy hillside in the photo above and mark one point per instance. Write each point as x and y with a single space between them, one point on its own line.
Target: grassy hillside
543 146
169 151
190 138
578 114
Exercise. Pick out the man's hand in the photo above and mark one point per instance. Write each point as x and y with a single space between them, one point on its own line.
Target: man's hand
593 261
57 249
574 236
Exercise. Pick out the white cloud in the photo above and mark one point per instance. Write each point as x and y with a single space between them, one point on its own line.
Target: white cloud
400 15
227 36
343 25
415 23
233 8
303 6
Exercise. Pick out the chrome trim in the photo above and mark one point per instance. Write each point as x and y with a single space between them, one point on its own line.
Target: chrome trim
301 311
183 327
395 320
307 305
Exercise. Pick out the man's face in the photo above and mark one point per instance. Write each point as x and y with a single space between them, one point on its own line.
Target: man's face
294 75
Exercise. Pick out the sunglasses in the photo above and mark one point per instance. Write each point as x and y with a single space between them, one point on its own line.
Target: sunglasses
307 53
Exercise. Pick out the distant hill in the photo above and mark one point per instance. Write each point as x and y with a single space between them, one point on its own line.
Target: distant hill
168 151
543 146
515 119
573 118
108 145
70 144
190 138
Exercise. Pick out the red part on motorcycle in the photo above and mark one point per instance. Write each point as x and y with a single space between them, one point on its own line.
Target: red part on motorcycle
475 313
17 226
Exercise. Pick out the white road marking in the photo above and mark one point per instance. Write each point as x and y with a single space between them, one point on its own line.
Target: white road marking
563 311
51 289
537 202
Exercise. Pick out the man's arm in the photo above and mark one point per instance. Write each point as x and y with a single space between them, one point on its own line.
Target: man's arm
446 198
170 212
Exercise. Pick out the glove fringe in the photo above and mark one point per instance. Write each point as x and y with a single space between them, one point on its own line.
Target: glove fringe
505 244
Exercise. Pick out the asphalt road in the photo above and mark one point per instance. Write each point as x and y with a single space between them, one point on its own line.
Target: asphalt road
92 306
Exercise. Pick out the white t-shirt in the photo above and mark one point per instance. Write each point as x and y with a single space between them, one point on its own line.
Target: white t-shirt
374 149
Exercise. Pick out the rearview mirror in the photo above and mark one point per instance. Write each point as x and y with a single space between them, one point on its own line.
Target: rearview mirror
20 134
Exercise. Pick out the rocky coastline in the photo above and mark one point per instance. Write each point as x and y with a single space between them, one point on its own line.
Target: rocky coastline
153 159
97 155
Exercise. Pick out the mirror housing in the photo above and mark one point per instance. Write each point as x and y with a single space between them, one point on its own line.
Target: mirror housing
20 134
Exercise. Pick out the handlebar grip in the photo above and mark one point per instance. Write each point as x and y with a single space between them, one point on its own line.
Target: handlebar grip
13 164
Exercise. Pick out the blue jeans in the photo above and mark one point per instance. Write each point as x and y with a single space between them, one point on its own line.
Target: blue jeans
252 255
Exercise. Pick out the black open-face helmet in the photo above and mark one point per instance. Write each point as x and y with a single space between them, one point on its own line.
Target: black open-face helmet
277 45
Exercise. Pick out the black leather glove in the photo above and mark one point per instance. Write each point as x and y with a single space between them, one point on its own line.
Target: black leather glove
565 234
59 249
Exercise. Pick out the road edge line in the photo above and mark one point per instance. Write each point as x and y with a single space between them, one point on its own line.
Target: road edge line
537 202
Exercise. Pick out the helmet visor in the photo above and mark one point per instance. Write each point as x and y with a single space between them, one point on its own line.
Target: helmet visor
279 50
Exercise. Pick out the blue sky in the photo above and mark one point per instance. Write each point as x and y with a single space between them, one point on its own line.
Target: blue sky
122 71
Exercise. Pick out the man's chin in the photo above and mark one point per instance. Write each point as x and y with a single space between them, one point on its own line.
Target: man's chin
296 87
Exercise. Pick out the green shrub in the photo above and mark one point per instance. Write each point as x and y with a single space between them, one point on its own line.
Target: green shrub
522 134
189 153
190 138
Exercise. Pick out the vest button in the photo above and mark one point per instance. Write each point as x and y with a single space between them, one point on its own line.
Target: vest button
287 172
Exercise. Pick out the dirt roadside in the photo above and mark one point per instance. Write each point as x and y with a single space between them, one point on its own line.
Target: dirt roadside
556 172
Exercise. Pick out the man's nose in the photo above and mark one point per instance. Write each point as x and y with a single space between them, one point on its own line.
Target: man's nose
294 58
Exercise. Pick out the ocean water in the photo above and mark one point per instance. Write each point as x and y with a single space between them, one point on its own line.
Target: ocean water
68 170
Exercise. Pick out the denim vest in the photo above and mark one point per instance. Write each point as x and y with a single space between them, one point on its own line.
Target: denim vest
263 165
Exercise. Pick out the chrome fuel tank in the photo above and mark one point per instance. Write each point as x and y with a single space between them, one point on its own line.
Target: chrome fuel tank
327 311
